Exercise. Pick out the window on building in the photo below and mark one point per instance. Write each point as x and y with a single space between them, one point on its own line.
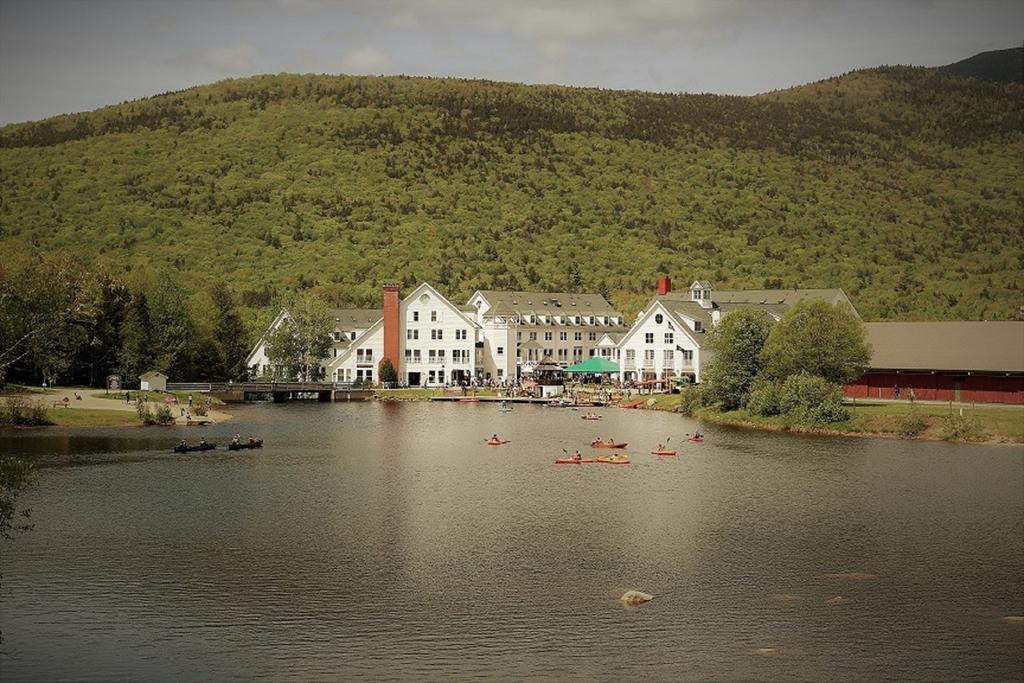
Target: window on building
412 334
533 336
433 316
687 355
563 354
432 356
547 353
519 336
408 355
501 350
578 336
649 355
337 335
501 373
669 355
698 326
659 318
668 338
563 336
440 355
648 337
547 336
460 334
630 354
415 316
437 334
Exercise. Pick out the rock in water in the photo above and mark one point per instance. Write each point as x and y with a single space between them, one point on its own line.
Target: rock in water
635 598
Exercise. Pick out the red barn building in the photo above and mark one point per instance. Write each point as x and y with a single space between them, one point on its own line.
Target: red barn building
980 362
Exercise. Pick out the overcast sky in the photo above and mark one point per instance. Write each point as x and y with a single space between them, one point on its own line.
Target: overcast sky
60 56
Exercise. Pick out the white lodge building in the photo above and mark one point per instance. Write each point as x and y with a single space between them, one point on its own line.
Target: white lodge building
522 329
502 335
432 341
668 338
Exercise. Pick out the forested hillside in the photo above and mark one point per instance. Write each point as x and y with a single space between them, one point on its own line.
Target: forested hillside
901 185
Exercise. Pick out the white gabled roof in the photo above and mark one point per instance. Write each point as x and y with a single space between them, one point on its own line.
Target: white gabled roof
658 306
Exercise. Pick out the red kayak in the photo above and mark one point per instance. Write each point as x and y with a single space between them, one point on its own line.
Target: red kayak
572 461
666 453
697 439
499 442
607 444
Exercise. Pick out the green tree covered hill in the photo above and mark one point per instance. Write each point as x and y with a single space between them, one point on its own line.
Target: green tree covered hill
901 185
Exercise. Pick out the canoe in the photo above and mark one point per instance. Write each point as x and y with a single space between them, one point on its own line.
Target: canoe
572 461
697 439
663 452
614 460
245 444
190 449
607 444
590 417
499 442
504 410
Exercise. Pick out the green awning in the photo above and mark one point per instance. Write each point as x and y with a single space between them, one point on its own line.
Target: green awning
594 364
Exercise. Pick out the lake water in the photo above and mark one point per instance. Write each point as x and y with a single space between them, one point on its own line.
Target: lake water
386 541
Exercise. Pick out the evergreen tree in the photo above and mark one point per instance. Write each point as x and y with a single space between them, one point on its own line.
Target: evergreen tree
137 344
228 333
171 328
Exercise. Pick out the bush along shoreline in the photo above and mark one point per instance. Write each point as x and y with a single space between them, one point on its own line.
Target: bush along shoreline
788 376
991 425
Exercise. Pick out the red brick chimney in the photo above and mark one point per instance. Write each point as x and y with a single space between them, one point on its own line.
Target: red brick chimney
664 285
391 323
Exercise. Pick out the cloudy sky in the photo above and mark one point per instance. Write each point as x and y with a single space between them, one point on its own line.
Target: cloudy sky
60 56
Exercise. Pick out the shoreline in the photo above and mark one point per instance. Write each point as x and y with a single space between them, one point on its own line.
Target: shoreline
869 419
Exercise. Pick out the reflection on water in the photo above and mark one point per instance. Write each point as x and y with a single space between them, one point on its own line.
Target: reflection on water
387 541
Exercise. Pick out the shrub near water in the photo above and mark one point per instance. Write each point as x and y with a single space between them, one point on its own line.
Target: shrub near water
19 411
962 428
911 425
808 399
765 398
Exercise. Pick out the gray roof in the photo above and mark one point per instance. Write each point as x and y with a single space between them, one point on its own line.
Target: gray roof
967 346
346 319
547 303
784 297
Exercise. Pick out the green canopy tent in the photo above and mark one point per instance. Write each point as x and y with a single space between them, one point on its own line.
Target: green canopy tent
595 365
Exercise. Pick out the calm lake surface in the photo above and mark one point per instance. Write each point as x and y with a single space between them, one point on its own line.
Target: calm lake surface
386 541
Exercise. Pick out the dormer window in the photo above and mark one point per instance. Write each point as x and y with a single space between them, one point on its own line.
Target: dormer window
698 326
337 335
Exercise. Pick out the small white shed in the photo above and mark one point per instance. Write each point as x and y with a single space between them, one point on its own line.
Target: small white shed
153 381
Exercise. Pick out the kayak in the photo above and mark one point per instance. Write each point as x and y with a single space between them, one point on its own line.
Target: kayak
499 442
590 417
697 439
190 449
572 461
614 460
607 444
663 452
258 443
504 410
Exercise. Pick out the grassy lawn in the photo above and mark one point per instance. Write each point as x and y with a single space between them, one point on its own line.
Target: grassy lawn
84 417
159 396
